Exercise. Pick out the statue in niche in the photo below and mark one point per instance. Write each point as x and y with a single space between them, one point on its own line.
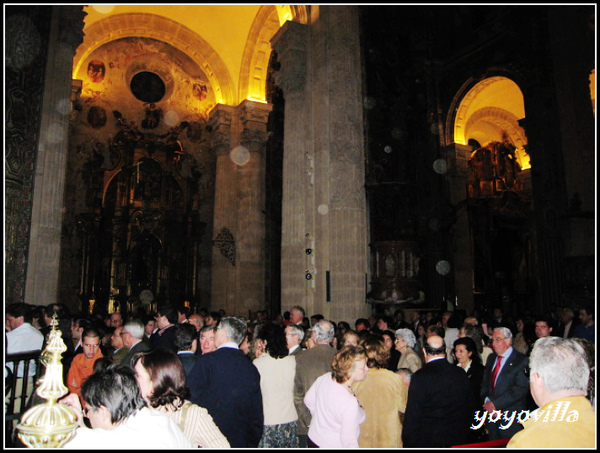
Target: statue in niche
173 146
390 266
153 116
128 130
505 165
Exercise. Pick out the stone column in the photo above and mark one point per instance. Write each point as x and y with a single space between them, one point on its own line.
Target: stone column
223 278
251 205
324 203
290 43
340 213
49 178
238 257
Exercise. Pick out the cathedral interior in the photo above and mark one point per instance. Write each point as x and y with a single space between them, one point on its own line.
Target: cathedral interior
351 159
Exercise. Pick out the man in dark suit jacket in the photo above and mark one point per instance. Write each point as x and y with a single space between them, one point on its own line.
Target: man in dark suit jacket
186 340
510 388
164 337
133 333
227 384
567 325
440 402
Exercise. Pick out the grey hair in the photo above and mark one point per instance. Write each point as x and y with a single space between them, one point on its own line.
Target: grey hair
506 332
561 363
235 327
324 330
135 327
300 309
297 330
408 336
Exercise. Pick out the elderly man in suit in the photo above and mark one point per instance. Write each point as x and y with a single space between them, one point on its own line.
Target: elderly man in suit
133 334
120 350
294 334
310 364
505 385
440 401
227 384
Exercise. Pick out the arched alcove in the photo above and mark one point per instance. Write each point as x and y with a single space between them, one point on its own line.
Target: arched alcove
485 134
490 111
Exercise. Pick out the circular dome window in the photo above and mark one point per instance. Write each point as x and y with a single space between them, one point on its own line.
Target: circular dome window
147 87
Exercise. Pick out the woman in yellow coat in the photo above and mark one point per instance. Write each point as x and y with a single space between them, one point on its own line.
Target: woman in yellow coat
383 397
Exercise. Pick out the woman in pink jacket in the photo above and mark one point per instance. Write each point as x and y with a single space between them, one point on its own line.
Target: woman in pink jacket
336 414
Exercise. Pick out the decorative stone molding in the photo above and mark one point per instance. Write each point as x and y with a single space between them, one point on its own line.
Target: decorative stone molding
290 43
226 244
220 125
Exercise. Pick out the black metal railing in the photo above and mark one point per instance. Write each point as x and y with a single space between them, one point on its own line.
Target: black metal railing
19 389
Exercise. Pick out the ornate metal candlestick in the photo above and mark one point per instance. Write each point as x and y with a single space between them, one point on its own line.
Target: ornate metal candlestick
49 425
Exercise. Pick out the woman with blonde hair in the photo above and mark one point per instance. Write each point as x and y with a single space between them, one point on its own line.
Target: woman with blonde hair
383 397
336 413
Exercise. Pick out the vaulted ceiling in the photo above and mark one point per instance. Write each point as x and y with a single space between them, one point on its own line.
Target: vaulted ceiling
229 43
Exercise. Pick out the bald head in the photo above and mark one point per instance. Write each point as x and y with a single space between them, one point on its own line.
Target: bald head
434 347
435 341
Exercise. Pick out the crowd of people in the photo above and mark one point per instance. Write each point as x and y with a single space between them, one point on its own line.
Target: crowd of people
176 379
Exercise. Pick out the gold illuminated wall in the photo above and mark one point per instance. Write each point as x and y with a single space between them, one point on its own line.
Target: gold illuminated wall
230 43
490 111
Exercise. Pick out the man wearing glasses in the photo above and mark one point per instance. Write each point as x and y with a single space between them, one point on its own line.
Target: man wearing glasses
505 385
132 335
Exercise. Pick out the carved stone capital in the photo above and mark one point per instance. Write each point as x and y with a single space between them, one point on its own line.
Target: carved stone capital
254 117
219 125
290 43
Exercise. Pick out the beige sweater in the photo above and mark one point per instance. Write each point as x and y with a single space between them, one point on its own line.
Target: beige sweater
198 426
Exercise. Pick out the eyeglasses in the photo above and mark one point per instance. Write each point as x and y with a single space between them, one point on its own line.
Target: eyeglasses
498 340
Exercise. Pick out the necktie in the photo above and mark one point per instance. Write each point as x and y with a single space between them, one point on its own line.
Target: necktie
495 373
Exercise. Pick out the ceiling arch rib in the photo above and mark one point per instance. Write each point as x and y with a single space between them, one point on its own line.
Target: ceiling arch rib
505 121
255 60
257 52
499 92
162 29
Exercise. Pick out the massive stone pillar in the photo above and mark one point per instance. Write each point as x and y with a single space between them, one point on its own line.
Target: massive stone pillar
238 258
324 231
49 178
290 43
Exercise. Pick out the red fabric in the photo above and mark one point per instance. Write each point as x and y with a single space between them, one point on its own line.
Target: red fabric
488 444
495 373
